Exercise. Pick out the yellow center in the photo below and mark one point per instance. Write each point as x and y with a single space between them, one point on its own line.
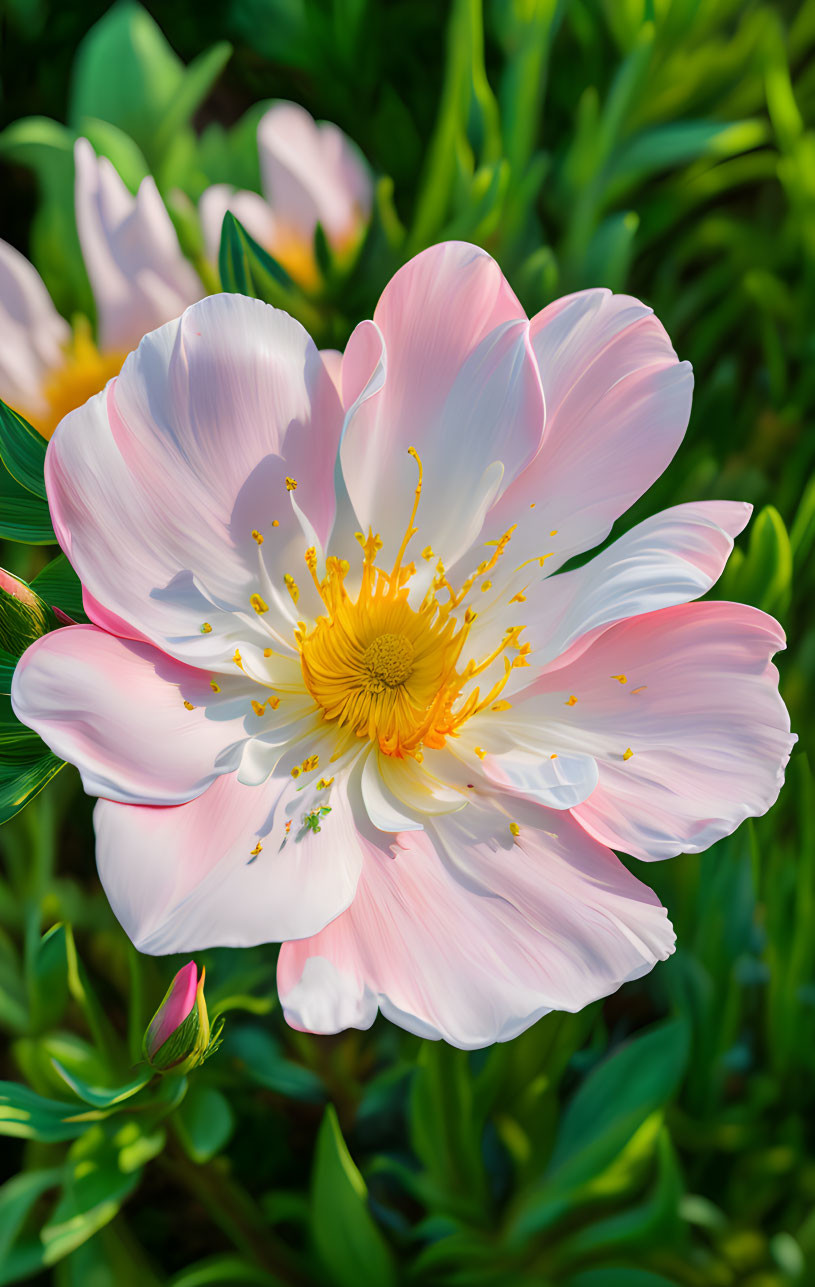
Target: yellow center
84 372
390 672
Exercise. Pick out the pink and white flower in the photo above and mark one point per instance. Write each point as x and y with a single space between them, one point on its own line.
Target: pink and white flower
333 694
139 278
311 173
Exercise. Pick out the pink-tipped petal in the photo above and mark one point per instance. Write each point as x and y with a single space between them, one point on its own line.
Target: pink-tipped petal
115 709
175 1008
182 463
445 368
34 334
222 871
139 276
473 935
617 405
681 710
312 173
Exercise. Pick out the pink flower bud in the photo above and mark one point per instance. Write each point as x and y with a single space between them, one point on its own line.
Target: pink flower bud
178 1035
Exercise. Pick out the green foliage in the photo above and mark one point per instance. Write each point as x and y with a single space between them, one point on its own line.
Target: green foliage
663 148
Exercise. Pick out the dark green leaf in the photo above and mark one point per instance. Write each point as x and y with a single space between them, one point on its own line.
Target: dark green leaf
348 1242
244 266
204 1122
22 450
59 585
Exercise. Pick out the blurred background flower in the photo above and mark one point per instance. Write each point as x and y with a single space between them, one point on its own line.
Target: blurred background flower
655 147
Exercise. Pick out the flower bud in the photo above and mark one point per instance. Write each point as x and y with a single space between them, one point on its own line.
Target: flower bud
178 1037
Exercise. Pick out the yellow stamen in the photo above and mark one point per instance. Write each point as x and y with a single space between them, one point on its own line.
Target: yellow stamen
572 701
258 708
621 678
275 522
256 536
206 628
627 753
514 829
216 688
257 849
291 586
260 605
189 706
480 752
291 484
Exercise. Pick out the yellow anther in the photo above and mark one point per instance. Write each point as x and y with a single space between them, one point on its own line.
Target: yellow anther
189 706
501 706
427 553
486 585
206 628
273 702
296 771
553 757
571 702
258 708
268 652
313 762
237 659
641 689
480 752
254 852
291 586
469 616
311 557
324 784
275 522
518 598
532 506
256 536
291 484
260 605
627 753
514 829
553 532
216 688
621 678
543 557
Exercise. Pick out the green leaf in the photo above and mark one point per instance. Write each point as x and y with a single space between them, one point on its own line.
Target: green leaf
204 1122
352 1249
763 575
126 74
615 1100
23 778
224 1271
244 266
98 1179
17 1197
59 585
24 516
29 1116
22 451
261 1061
47 978
101 1096
48 148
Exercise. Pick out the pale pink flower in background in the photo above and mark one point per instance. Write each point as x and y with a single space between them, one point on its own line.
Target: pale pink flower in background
139 279
311 173
333 694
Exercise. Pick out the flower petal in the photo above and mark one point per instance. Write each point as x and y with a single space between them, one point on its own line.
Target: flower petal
115 709
617 405
312 173
33 332
671 558
471 936
681 710
185 878
177 469
446 368
139 276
